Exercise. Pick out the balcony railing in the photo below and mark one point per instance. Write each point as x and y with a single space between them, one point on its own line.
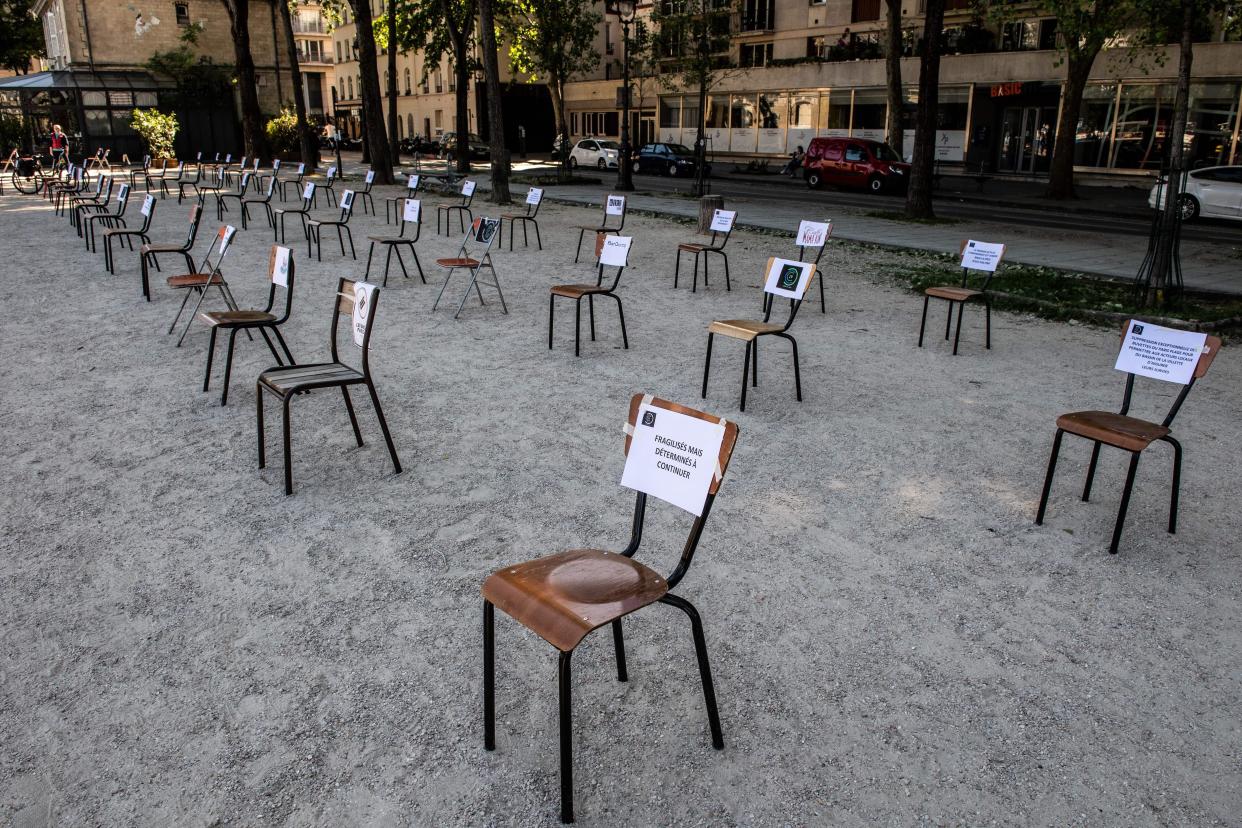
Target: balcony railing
302 27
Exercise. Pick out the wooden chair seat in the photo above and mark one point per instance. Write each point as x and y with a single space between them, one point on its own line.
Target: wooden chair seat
692 247
193 280
461 262
234 318
290 380
391 239
743 329
953 294
578 291
1119 430
563 597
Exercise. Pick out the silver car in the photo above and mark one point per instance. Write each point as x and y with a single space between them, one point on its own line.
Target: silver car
1212 192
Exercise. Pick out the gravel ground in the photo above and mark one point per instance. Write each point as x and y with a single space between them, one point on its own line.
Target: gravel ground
894 642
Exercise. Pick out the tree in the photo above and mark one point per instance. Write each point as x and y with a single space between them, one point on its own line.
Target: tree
307 137
919 196
372 104
458 25
553 41
251 116
21 36
892 127
391 46
495 111
691 40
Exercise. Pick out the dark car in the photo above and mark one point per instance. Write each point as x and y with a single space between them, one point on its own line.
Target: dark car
479 151
854 162
668 159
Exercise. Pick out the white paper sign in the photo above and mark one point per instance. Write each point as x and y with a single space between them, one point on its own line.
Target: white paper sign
1160 353
123 194
370 176
147 204
534 195
722 221
616 251
814 233
256 165
413 209
414 179
788 279
977 255
275 164
364 296
308 192
271 186
198 156
245 183
331 173
301 169
615 205
228 159
226 238
347 198
280 267
673 456
467 188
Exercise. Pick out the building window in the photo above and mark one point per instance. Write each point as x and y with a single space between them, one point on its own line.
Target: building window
758 15
349 85
864 10
608 45
755 54
439 83
407 86
183 13
439 118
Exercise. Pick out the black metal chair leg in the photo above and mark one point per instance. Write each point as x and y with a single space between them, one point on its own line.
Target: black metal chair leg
353 418
551 314
578 327
267 339
379 413
211 351
397 249
1125 502
538 240
707 363
284 346
258 403
745 371
625 340
797 372
591 313
677 269
567 739
1086 487
228 366
1052 467
705 669
957 336
754 362
288 448
948 322
489 676
578 251
1177 483
922 325
728 284
618 644
366 274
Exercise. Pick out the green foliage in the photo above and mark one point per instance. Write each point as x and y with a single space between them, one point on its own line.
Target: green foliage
552 40
282 133
11 133
21 35
200 81
692 40
157 131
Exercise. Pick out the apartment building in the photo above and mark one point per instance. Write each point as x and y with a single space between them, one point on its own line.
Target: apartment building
315 58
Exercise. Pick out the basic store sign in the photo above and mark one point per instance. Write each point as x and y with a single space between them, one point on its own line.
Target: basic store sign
1160 353
673 456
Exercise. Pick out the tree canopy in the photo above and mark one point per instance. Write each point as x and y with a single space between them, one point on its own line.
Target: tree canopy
21 36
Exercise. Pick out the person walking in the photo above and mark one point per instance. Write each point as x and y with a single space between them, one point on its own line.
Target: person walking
58 145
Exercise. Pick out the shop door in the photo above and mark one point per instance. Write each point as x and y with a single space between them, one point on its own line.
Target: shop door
1026 139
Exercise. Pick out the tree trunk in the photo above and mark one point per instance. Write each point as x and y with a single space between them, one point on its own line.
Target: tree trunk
461 70
700 141
372 102
393 144
251 116
495 108
892 127
310 146
556 90
919 197
1061 174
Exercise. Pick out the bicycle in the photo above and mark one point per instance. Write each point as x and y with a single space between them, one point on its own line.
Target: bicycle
28 175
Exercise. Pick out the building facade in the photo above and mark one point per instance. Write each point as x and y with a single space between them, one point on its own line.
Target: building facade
313 38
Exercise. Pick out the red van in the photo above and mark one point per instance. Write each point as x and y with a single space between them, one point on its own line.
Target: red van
854 162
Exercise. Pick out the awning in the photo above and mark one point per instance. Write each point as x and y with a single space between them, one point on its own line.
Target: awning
78 79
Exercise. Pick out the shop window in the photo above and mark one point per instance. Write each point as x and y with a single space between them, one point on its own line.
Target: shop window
690 112
717 116
838 114
742 112
182 11
670 113
802 113
772 111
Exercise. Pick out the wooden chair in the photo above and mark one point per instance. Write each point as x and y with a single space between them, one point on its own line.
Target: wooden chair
461 209
395 204
127 235
617 257
411 214
273 173
534 198
148 254
113 219
314 228
97 160
721 229
564 597
960 296
614 205
204 278
192 183
813 235
142 171
280 272
75 181
85 205
483 233
750 331
299 173
215 185
243 184
172 177
331 176
1127 433
265 199
303 213
284 383
364 194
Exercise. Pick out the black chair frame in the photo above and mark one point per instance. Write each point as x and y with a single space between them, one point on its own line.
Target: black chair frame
394 245
610 292
715 245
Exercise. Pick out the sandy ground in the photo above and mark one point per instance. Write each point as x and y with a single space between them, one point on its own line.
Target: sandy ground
894 642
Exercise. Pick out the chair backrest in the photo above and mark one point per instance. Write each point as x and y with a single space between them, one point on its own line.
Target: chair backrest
330 176
481 235
721 227
982 256
299 172
308 194
367 181
108 184
255 163
615 206
244 183
413 183
220 246
347 205
611 250
787 279
122 200
358 302
196 214
271 188
815 235
148 212
245 159
1164 354
146 162
534 198
275 166
467 192
280 272
411 213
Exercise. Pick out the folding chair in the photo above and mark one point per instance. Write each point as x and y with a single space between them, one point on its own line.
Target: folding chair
814 235
127 235
784 278
365 193
564 597
296 182
483 232
95 160
357 300
314 228
721 228
1128 433
395 204
614 205
534 198
114 219
280 273
411 214
303 212
461 209
961 295
97 202
149 253
611 251
204 277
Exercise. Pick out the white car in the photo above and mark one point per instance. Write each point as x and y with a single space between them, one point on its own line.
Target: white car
1212 192
591 152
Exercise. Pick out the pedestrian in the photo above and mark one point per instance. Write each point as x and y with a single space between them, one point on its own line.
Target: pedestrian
59 144
795 162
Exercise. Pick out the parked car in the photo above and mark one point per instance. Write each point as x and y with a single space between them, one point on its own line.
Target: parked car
479 150
668 159
591 152
1212 192
420 145
854 162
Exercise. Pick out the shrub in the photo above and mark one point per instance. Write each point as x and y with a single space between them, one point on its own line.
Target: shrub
282 134
11 133
156 130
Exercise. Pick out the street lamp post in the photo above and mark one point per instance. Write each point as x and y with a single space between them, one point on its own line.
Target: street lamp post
336 133
624 10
